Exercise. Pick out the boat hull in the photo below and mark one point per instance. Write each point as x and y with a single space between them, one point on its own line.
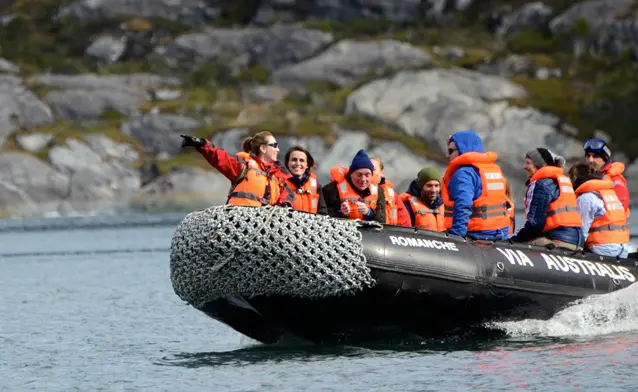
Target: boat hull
432 285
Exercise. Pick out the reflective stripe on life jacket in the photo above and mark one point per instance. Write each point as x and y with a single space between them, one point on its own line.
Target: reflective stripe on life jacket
252 186
614 173
306 197
562 212
391 208
489 211
347 194
425 217
611 228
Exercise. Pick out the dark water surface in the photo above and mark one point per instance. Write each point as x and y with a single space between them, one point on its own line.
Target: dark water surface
86 304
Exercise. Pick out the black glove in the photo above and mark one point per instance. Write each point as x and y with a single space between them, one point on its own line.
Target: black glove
192 141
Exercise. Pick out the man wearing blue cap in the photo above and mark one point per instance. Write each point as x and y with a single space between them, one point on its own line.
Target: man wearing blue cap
352 194
598 156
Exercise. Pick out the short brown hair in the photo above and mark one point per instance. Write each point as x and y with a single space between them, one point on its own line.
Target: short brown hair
580 170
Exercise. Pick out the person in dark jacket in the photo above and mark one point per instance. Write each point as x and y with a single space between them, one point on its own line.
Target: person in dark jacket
353 195
548 219
304 183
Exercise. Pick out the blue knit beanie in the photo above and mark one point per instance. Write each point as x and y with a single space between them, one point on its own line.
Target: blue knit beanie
361 161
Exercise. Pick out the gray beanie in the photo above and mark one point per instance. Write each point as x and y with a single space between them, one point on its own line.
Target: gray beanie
542 157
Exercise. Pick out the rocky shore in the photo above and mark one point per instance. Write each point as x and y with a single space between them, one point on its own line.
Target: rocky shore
94 94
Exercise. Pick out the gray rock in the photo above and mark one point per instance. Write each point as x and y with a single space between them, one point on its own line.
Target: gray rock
534 15
20 108
258 94
400 164
631 172
166 95
107 149
160 133
183 189
92 104
73 157
107 49
436 103
36 181
134 82
9 67
349 62
33 142
272 48
596 13
94 179
509 66
335 10
231 140
190 11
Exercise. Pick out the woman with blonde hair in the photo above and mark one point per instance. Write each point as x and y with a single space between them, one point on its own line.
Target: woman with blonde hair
257 177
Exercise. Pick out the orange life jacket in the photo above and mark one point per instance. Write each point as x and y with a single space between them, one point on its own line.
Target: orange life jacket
338 173
425 217
347 194
489 211
562 212
612 227
391 207
614 173
306 197
249 188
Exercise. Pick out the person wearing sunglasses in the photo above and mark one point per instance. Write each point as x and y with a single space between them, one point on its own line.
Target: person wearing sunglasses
551 213
352 193
257 178
473 190
603 216
304 181
598 156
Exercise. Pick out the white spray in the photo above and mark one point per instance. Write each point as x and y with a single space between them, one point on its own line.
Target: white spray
597 315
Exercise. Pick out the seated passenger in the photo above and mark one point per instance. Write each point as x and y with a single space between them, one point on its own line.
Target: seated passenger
550 203
603 215
395 212
257 178
598 156
423 200
473 190
352 195
303 182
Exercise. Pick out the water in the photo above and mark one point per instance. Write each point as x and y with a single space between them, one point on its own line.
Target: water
87 304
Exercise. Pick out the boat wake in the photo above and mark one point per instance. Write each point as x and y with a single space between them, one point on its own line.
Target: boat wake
597 315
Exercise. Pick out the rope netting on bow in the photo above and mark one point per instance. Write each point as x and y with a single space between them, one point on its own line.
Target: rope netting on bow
226 251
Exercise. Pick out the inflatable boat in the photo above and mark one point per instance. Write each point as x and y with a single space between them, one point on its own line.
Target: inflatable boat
272 272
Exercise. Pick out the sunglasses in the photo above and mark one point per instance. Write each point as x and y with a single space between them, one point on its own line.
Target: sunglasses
273 145
451 150
594 144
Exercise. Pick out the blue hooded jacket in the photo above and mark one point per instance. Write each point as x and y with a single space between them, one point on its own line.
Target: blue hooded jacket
415 190
465 186
539 196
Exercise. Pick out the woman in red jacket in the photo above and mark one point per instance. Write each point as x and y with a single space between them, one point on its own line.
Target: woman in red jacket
257 178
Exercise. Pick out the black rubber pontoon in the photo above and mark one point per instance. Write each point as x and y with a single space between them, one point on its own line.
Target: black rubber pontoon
432 285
